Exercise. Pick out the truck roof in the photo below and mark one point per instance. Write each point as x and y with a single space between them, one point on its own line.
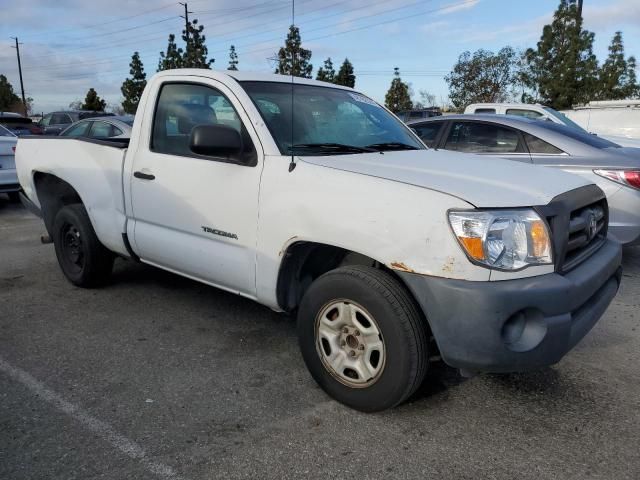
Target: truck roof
242 76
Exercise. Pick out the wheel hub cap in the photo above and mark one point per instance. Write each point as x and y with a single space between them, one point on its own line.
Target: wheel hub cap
350 344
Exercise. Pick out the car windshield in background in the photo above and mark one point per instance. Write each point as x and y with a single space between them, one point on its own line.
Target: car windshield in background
580 135
564 119
327 121
5 133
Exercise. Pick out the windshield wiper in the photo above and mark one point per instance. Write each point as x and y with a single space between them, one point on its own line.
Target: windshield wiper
380 147
332 148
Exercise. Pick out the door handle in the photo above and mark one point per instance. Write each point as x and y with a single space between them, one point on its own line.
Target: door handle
144 176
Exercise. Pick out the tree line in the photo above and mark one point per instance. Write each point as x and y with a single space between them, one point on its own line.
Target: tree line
560 71
292 59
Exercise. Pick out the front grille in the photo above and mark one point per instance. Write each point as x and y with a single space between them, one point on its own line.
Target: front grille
579 221
587 232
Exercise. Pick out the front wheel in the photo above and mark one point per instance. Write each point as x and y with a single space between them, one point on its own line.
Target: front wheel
362 338
82 258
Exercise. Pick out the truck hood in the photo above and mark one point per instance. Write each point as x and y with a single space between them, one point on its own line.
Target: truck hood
482 181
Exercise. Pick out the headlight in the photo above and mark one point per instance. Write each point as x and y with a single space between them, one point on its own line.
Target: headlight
503 239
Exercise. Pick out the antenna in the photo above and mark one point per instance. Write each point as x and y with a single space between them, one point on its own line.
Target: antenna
292 163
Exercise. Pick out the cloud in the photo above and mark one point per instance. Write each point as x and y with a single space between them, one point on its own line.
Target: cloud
612 14
458 7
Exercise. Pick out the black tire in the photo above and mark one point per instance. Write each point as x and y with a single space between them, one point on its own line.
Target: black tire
403 332
83 259
14 197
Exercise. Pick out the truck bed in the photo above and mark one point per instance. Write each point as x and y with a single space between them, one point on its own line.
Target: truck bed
93 167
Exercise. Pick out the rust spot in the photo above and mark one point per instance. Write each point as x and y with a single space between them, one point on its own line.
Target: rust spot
448 267
401 266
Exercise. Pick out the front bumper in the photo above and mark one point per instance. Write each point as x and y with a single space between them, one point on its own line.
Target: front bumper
522 324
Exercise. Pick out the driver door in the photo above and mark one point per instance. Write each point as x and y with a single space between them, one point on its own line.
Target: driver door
193 214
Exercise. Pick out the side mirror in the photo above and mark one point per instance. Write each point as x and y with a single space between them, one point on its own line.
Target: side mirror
215 141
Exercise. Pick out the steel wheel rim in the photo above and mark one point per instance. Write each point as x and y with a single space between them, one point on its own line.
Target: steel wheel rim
349 343
72 247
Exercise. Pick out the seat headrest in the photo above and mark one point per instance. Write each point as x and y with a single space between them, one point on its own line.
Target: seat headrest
191 114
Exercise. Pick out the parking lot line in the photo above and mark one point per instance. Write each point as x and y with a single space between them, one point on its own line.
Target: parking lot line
98 427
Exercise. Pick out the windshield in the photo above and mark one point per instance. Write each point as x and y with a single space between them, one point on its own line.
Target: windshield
327 121
564 119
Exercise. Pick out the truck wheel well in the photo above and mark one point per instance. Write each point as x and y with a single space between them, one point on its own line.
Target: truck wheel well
303 262
53 194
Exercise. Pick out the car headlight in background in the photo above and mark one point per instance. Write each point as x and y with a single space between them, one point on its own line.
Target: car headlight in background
503 239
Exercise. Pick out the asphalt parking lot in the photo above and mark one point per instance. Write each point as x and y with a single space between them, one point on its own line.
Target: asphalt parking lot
156 376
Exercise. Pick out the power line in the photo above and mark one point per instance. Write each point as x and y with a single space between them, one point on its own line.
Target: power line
413 15
128 17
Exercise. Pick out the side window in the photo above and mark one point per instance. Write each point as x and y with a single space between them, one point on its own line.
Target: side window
101 130
475 137
115 131
524 113
537 145
46 120
80 129
485 110
183 106
428 132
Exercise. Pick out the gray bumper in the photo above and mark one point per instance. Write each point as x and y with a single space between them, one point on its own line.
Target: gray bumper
522 324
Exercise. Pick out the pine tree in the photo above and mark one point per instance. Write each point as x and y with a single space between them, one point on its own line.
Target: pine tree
292 58
345 75
326 73
233 59
617 77
563 68
8 99
173 56
132 87
398 98
93 102
195 53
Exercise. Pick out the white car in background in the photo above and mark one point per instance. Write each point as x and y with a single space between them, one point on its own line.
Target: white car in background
8 176
536 111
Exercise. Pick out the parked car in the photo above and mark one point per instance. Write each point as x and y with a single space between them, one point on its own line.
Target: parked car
613 168
419 114
8 176
19 125
341 215
53 123
107 127
540 112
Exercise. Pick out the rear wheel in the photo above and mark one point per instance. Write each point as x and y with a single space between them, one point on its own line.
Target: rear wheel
82 258
362 338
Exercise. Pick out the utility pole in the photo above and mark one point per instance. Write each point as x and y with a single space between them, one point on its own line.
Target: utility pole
24 102
186 23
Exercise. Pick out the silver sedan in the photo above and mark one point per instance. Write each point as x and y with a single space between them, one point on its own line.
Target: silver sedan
613 168
101 127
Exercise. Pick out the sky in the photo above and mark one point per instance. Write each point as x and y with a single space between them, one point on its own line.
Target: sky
68 46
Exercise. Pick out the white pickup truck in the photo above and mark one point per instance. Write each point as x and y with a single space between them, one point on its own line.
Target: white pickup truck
312 198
